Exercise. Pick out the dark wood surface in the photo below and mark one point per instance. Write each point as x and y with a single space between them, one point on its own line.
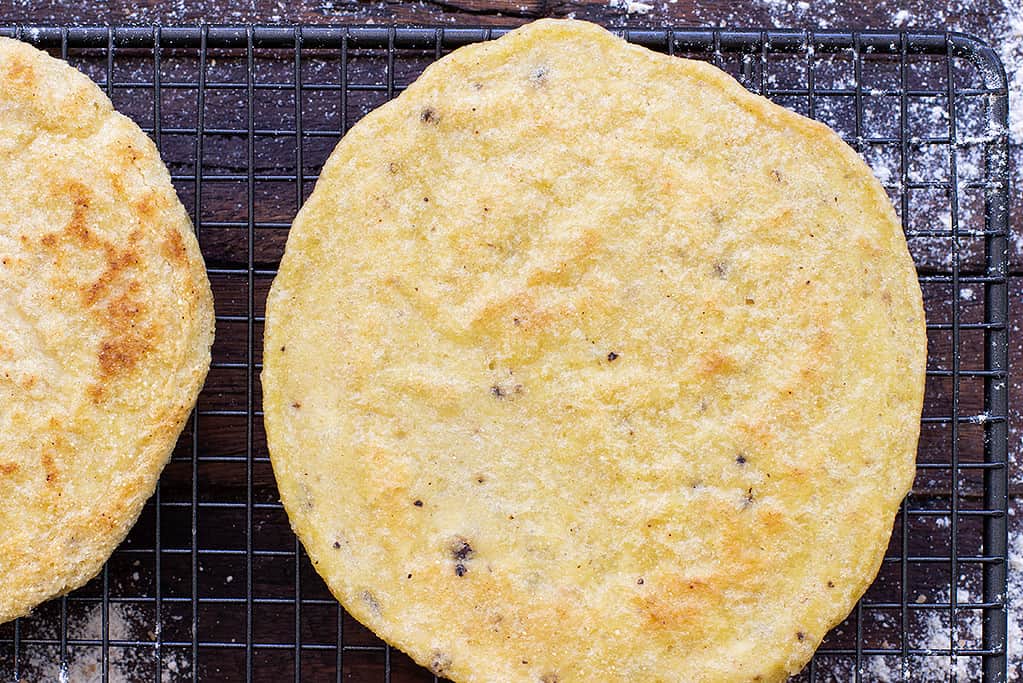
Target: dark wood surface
976 16
226 481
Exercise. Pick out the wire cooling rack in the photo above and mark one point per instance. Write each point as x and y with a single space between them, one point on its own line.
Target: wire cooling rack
212 585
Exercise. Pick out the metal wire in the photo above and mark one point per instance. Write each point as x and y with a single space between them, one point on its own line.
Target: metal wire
356 68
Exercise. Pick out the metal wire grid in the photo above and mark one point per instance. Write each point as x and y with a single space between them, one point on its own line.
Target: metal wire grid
244 117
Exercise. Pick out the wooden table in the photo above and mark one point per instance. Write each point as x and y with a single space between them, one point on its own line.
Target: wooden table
979 17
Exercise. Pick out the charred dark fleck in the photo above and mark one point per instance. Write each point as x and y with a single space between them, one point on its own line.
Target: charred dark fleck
516 321
539 75
409 576
418 503
480 480
831 584
337 545
776 175
296 404
639 582
440 663
428 115
426 199
461 550
800 635
749 497
497 391
371 601
392 167
740 459
282 349
460 569
612 357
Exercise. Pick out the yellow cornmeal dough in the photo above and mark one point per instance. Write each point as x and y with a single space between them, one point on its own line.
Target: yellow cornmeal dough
106 321
585 364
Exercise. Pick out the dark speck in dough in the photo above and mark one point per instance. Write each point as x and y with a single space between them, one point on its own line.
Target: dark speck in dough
440 663
461 550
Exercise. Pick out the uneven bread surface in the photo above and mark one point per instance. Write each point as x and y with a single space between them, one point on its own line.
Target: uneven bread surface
585 364
106 322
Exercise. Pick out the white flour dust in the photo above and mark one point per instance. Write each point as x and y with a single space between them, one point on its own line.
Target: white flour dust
1015 598
126 664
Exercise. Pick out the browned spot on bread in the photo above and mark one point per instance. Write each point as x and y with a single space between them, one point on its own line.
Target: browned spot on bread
715 363
76 233
757 432
117 263
20 73
147 206
681 604
50 468
77 228
8 467
126 341
173 248
113 299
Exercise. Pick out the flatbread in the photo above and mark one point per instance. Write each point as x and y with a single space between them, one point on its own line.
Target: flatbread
585 364
106 321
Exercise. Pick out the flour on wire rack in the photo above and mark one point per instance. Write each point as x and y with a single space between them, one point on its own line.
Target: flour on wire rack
126 664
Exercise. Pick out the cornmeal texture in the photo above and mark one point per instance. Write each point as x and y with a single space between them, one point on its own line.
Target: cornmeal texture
106 321
585 364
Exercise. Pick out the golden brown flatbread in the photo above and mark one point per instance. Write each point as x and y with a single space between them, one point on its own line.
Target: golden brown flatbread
106 321
585 364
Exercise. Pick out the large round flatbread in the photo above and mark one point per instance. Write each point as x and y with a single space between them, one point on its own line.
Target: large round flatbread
585 364
106 321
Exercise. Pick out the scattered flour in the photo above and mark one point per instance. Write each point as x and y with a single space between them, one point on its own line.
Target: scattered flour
901 18
631 6
126 664
1015 598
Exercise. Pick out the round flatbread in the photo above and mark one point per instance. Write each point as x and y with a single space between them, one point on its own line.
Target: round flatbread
106 321
585 364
